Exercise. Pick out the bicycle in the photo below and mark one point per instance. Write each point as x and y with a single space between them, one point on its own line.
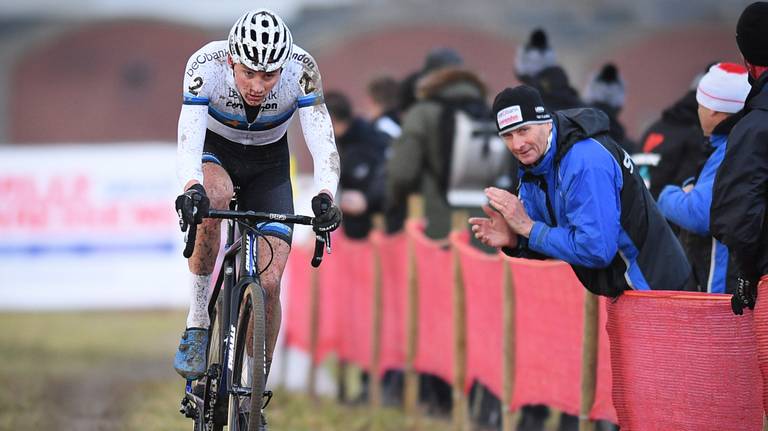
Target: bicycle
224 395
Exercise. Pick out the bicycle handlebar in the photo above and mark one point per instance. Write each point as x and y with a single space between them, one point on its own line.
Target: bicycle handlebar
321 239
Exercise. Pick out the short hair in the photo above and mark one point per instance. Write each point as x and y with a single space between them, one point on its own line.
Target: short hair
338 105
385 92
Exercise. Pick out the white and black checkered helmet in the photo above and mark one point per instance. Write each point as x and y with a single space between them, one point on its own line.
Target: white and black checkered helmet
261 41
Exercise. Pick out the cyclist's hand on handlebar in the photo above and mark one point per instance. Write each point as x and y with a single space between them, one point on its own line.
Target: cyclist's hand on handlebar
327 215
192 206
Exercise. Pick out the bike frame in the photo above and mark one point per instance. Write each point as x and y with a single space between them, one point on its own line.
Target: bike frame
238 269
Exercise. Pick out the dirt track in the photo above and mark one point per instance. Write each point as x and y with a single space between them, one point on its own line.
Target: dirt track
97 400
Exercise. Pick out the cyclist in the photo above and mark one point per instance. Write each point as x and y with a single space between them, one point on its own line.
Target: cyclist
239 97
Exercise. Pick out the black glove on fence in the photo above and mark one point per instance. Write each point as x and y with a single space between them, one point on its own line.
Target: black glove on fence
327 215
744 296
192 206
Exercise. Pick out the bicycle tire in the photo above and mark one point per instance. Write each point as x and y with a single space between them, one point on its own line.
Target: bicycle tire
214 360
248 372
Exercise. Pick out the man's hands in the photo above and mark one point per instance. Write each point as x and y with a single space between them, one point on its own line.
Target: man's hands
327 215
192 206
512 209
494 230
506 220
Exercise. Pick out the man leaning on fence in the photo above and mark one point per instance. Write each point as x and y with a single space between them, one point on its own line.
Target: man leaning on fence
740 192
580 200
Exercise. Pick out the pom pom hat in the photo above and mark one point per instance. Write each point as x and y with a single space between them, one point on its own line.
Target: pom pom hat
723 88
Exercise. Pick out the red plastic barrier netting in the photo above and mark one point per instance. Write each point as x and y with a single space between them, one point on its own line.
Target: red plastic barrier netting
603 407
355 289
297 313
333 301
549 310
393 255
434 351
483 277
683 361
761 333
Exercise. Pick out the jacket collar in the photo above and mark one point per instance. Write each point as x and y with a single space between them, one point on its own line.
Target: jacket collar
758 96
545 163
715 141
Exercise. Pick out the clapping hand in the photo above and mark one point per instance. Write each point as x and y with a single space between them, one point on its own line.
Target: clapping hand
512 209
494 230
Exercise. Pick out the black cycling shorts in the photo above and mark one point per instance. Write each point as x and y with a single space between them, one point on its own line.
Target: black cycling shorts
261 174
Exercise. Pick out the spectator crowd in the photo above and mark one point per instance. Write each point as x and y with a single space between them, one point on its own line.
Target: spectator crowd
681 208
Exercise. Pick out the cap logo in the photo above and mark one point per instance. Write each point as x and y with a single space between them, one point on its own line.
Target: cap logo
539 109
508 116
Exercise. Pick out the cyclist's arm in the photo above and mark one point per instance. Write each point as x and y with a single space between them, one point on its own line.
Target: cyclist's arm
192 123
191 136
318 132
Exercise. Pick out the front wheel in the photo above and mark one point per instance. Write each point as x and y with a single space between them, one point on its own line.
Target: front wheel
248 373
214 410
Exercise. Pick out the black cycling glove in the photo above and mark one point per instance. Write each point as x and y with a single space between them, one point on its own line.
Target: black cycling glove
192 206
327 215
744 296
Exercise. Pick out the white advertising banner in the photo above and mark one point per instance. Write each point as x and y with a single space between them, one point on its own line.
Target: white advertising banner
90 227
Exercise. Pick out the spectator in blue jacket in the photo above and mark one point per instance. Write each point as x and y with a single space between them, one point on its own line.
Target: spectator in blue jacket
720 93
581 200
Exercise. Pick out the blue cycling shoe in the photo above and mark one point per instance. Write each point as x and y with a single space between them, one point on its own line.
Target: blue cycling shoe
190 360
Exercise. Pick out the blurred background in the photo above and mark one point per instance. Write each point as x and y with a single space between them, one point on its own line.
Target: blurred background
90 92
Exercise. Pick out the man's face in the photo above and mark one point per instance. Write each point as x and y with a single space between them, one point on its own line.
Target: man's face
528 143
709 119
254 86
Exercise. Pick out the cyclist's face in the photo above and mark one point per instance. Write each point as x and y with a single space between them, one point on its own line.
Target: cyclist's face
528 143
254 86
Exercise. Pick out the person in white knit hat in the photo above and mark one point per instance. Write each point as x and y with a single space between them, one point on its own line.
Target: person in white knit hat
720 94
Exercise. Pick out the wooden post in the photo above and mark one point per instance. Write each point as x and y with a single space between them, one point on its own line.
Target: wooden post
314 321
342 369
374 381
460 419
415 206
589 360
411 396
508 363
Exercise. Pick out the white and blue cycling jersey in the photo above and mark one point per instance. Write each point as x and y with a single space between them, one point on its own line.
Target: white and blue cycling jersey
212 103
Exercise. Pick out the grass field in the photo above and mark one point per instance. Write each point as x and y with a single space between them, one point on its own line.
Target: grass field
106 371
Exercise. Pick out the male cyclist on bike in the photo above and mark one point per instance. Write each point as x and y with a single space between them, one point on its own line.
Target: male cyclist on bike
239 97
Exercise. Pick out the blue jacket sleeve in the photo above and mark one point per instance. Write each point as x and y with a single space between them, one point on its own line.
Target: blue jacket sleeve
590 192
689 210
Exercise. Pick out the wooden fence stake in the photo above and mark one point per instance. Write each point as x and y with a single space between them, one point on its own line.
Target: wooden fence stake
374 374
589 360
411 397
460 419
314 321
508 363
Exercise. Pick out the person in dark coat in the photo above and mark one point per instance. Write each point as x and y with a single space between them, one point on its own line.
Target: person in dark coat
677 140
740 191
361 150
437 58
536 65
